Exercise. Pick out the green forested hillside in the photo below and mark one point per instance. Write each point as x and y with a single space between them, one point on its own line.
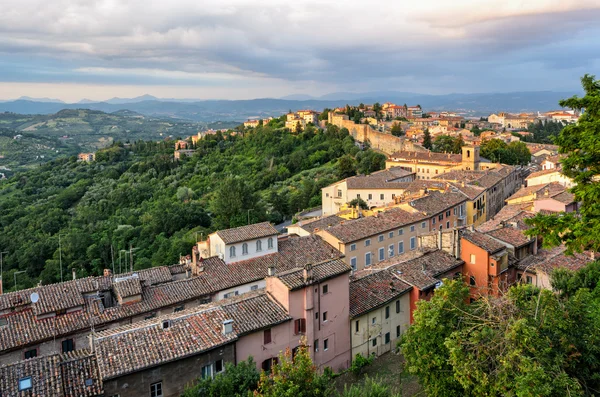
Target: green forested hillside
136 195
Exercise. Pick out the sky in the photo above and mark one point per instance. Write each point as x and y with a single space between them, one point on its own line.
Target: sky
240 49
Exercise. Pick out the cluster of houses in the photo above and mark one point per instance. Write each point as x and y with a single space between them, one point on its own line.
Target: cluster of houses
344 283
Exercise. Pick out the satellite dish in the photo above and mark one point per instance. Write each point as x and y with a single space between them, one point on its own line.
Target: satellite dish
35 297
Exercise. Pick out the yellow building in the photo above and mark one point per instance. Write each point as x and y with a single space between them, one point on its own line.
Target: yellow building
379 311
428 164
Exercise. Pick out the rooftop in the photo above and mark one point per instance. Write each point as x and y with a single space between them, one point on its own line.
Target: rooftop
509 235
384 179
483 241
245 233
436 202
426 157
361 228
294 278
550 259
370 289
321 223
540 191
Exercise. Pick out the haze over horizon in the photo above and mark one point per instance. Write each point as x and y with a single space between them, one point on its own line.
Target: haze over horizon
234 49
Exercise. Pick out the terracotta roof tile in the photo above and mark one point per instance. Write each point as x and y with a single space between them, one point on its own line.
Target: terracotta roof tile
321 223
358 229
372 289
483 241
426 156
553 189
244 233
514 237
126 287
294 278
384 179
436 202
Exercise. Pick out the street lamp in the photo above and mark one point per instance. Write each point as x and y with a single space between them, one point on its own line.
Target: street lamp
15 275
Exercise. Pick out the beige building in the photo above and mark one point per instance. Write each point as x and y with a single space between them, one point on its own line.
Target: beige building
251 123
512 121
379 311
548 176
377 189
370 240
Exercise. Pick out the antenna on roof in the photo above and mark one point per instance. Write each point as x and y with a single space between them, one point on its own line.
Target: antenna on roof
35 297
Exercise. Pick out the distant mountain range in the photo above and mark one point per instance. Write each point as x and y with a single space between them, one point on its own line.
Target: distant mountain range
239 110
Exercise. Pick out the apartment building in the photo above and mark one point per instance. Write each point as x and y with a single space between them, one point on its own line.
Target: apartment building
377 189
547 176
551 196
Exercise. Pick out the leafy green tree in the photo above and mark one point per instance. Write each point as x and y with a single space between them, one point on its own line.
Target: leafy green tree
360 202
294 376
446 144
514 153
325 114
370 388
427 139
493 149
377 109
458 144
579 142
346 167
397 130
231 201
237 381
521 151
370 161
476 130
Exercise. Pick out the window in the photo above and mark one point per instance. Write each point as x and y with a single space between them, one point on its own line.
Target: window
324 316
219 366
270 243
352 247
400 232
370 196
356 326
387 338
472 281
232 252
529 279
381 253
391 234
245 249
373 320
339 193
447 213
267 336
30 353
398 306
358 195
368 259
473 257
353 263
207 371
325 289
391 250
400 247
258 245
25 383
448 225
440 217
231 294
89 382
299 326
316 345
316 315
179 309
367 242
67 345
374 342
326 344
433 221
397 331
254 288
156 389
381 238
423 224
441 227
387 312
166 324
412 228
381 196
413 243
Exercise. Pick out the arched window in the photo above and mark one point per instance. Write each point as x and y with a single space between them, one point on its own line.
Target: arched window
270 243
468 153
245 249
232 252
258 245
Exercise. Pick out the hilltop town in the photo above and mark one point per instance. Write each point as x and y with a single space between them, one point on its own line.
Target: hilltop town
344 279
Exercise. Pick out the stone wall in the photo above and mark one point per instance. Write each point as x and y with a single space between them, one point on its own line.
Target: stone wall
387 143
174 375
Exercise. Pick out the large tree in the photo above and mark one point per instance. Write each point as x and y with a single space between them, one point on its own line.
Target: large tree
580 143
427 139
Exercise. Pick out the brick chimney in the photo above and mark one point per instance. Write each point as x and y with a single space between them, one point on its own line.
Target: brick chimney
308 272
107 272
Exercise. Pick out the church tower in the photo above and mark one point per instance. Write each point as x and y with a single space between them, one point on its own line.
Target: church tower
470 157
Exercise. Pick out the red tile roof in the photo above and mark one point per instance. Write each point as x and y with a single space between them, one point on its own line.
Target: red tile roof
371 289
245 233
294 278
509 235
483 241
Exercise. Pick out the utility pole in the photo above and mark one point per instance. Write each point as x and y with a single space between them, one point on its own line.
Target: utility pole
112 258
15 275
131 257
251 209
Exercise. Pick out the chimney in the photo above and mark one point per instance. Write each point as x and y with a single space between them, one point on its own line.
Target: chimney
308 273
592 257
423 267
439 239
74 274
271 270
546 192
107 272
227 327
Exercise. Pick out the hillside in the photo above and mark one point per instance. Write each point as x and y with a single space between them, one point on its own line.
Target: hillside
137 196
92 129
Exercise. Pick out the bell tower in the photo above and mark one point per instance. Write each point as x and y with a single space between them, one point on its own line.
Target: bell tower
470 157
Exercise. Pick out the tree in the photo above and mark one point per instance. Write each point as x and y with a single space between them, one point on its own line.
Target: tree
397 129
237 381
579 142
370 388
360 202
446 144
370 161
521 151
231 201
529 342
458 144
427 139
298 128
377 109
498 151
294 376
476 130
346 167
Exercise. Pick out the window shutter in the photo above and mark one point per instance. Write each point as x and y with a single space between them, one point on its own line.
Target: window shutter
296 327
303 325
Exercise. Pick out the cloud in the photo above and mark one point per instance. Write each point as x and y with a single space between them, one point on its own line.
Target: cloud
427 46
